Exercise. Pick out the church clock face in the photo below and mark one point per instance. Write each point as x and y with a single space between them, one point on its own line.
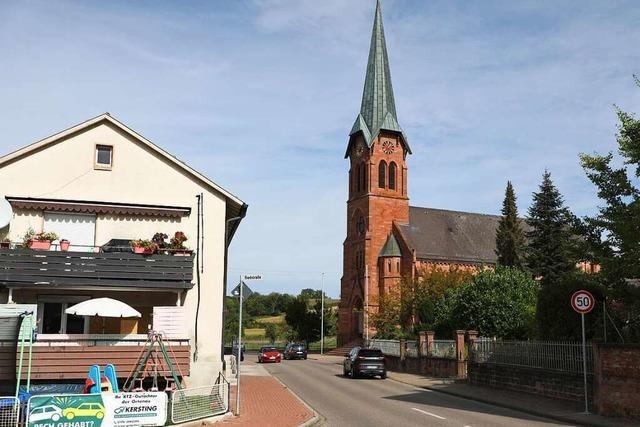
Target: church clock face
388 147
361 226
359 150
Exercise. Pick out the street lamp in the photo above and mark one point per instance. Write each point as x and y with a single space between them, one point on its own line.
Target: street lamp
322 318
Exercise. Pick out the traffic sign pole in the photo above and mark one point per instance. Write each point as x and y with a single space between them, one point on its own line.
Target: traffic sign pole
584 366
583 302
239 356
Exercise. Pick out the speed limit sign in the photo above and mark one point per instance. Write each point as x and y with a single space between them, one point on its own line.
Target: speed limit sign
582 302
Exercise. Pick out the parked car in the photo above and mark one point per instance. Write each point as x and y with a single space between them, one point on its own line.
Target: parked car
364 361
295 351
269 353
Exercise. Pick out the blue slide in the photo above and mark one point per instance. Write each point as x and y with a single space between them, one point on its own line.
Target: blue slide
110 373
94 374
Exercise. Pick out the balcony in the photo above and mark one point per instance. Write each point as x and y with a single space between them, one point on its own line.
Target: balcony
69 357
24 268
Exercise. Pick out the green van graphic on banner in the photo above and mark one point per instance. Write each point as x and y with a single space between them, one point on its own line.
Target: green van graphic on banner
66 411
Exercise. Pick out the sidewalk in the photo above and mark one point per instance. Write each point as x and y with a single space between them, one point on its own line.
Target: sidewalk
560 410
265 401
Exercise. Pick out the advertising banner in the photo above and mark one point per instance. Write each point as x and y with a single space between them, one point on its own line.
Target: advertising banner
96 410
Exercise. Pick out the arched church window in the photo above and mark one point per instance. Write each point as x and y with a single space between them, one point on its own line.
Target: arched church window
392 176
356 178
363 172
382 172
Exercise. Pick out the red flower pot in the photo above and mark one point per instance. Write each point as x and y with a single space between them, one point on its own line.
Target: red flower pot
182 252
141 250
64 245
40 245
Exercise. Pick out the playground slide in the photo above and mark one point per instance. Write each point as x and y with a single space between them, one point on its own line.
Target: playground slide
94 374
110 373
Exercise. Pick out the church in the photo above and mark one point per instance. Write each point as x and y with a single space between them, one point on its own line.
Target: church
388 239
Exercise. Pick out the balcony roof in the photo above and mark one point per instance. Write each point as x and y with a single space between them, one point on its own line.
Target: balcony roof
93 206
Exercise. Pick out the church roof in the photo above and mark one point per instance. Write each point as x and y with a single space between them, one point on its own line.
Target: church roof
391 248
443 235
378 108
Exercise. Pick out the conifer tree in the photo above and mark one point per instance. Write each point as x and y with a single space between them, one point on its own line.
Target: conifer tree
510 237
550 250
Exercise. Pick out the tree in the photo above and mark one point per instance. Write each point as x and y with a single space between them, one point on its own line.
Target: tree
510 239
304 322
551 247
613 235
498 303
271 332
411 304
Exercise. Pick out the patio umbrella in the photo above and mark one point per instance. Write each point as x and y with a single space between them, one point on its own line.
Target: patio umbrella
103 307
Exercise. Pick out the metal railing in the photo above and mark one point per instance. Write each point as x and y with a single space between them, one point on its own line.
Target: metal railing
552 355
412 349
9 411
195 403
389 347
443 348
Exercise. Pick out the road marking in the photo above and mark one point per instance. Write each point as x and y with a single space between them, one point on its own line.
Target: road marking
429 413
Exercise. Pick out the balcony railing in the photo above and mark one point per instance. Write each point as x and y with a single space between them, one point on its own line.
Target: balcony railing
24 268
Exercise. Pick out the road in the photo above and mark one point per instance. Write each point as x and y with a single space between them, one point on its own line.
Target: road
374 402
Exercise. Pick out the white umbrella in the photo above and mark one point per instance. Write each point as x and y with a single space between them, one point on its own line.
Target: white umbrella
103 307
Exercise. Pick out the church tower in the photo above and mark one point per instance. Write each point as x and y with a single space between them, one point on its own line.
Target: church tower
377 152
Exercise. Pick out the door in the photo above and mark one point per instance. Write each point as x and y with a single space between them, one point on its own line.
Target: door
79 229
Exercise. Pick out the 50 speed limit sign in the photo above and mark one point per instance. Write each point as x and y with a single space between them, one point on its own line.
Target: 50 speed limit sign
582 302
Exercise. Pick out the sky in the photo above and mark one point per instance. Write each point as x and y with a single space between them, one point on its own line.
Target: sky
260 95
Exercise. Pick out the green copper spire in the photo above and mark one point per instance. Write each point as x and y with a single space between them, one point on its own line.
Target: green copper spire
391 248
378 109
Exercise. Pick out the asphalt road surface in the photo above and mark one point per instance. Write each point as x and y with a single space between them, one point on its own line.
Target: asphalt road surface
374 402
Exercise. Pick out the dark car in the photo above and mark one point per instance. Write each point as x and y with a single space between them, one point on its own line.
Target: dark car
234 350
295 351
269 353
364 361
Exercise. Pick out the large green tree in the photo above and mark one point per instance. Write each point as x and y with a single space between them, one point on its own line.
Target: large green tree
613 234
551 242
497 303
305 322
510 238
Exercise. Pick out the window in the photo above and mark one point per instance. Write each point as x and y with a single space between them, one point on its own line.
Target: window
382 172
104 157
52 318
363 173
392 176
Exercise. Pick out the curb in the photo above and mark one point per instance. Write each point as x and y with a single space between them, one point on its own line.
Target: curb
313 421
507 406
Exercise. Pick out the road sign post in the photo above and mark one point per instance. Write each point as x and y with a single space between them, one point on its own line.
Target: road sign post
583 302
239 291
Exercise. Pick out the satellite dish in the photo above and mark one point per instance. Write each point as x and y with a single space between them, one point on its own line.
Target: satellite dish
5 212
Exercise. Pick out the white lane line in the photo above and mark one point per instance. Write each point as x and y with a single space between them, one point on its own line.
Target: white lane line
429 413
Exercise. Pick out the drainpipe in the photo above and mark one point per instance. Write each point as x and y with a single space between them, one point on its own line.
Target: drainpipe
228 231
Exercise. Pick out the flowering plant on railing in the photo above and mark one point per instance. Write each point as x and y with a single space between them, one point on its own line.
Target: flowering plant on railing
142 246
178 239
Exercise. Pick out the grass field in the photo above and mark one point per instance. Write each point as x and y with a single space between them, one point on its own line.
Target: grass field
279 319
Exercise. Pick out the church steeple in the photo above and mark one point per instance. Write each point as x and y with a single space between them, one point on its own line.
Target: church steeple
378 108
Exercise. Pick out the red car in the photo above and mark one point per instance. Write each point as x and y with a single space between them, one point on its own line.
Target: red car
269 354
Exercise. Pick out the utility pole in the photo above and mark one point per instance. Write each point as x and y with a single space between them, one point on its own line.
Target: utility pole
322 318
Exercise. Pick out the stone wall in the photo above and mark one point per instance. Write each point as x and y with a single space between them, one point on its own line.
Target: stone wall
617 379
429 366
556 384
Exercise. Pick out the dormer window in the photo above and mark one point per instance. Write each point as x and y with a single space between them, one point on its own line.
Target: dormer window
103 157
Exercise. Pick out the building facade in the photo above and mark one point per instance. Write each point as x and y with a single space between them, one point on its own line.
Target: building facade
388 239
100 185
